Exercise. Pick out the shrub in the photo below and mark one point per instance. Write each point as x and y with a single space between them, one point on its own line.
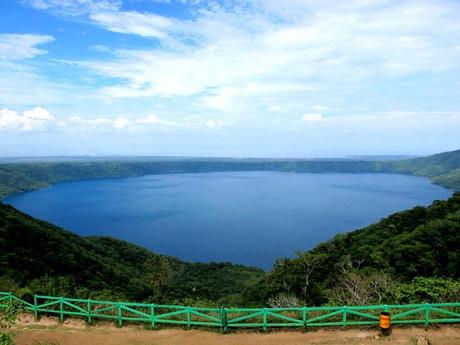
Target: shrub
428 290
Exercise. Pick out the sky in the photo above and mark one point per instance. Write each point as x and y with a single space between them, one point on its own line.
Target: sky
242 78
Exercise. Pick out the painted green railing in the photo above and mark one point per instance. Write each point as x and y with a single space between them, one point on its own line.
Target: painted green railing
228 318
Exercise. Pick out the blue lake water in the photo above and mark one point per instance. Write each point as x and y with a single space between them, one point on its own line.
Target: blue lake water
243 217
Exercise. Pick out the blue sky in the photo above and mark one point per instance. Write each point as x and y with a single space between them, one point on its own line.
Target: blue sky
294 78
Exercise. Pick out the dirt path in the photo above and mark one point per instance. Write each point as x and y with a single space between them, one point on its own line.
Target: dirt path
407 336
75 332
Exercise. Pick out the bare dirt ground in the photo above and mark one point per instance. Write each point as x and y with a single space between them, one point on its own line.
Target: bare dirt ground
75 332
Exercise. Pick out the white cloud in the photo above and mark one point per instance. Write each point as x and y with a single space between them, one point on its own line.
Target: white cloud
22 82
145 25
37 119
312 117
22 46
211 124
74 7
99 48
214 124
262 64
98 124
145 124
149 120
392 118
320 107
245 59
40 119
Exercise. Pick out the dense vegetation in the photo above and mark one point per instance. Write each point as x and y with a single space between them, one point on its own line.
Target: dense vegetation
37 257
443 169
385 262
411 256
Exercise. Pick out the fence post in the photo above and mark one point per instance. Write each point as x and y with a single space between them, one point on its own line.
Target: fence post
264 319
61 310
427 313
35 308
120 316
304 316
152 315
88 303
223 319
188 317
344 316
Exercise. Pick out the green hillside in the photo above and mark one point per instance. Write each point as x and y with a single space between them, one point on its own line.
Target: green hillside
44 258
19 177
443 169
400 249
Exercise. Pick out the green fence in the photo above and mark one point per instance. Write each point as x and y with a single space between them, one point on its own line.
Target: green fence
229 318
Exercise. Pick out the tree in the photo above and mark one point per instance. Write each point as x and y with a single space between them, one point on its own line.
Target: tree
157 276
284 300
356 288
308 263
299 276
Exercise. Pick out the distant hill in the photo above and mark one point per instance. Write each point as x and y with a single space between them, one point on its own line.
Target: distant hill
31 249
443 169
19 177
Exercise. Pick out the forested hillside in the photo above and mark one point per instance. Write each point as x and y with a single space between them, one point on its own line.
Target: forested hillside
18 177
443 169
37 257
378 262
411 256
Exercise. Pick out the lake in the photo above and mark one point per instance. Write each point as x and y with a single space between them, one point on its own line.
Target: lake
243 217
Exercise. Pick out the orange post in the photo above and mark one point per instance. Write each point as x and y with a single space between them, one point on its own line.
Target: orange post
385 323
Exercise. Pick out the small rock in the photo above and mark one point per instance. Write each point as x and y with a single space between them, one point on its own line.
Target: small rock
421 340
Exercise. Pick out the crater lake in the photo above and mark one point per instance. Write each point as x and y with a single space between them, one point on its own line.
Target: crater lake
249 217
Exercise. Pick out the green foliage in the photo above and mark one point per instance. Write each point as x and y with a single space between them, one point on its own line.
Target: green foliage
8 284
7 339
442 168
157 274
220 282
8 318
9 314
197 302
423 241
428 290
299 275
39 258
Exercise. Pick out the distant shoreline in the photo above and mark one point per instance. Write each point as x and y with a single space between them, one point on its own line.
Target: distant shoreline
442 169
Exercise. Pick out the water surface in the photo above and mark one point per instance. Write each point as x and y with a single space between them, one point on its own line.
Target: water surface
243 217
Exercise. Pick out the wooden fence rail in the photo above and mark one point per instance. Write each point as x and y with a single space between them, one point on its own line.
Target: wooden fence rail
231 318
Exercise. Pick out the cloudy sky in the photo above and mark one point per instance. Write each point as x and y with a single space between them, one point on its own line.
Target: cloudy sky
292 78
